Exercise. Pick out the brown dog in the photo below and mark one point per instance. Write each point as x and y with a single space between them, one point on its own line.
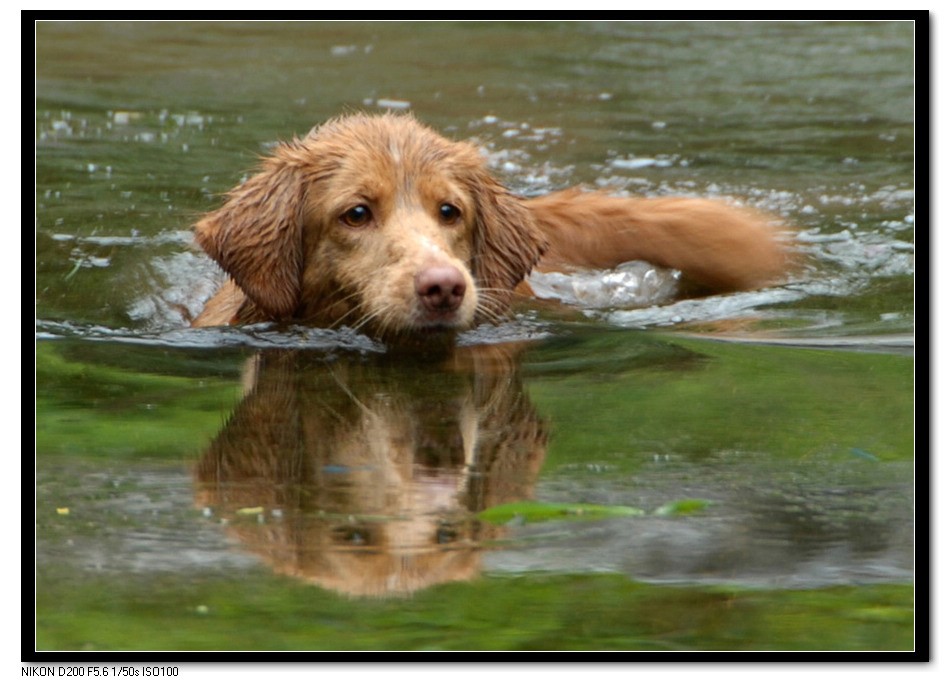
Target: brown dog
383 225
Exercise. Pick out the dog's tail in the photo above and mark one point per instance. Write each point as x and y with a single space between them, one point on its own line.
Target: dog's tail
717 246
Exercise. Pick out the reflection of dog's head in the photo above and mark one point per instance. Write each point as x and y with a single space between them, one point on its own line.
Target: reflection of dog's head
369 474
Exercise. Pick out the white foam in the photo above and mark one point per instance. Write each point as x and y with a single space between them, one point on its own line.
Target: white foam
633 284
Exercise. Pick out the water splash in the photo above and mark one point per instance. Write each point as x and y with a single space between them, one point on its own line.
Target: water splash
633 284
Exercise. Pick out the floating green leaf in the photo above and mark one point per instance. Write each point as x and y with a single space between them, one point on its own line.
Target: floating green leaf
534 512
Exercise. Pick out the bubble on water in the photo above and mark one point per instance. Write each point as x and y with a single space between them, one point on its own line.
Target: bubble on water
633 284
393 103
189 119
632 163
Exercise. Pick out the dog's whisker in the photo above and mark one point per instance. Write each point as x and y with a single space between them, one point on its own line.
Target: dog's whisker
349 312
364 320
491 313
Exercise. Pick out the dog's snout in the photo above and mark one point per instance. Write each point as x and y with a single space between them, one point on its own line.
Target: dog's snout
440 288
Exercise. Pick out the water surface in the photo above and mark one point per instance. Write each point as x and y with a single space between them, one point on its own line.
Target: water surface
728 473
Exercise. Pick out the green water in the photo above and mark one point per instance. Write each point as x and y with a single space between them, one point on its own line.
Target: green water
305 490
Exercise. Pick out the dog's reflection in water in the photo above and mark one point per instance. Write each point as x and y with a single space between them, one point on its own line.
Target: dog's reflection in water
369 472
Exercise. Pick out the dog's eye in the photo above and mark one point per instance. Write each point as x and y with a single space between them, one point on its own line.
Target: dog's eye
358 216
449 213
352 535
446 534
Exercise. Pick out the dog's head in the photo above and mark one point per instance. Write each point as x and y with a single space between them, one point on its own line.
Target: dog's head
375 222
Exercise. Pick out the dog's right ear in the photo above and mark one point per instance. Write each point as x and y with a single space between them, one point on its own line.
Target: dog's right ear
256 237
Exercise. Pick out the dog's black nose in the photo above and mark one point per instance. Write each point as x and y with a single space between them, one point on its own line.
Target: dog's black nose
441 288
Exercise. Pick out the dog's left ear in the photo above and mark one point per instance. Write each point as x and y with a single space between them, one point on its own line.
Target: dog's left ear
508 243
256 237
